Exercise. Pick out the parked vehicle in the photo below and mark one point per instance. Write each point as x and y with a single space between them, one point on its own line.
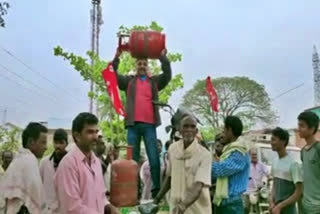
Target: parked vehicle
267 157
258 198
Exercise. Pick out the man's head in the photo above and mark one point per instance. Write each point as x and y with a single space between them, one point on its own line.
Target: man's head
254 155
232 129
188 129
60 141
308 123
100 147
34 138
159 144
142 66
7 157
217 145
279 139
85 131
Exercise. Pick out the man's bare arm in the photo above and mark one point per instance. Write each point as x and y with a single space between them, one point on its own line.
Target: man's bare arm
164 189
271 199
293 198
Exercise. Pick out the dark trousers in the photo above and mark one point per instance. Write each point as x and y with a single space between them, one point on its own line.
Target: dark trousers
235 207
148 133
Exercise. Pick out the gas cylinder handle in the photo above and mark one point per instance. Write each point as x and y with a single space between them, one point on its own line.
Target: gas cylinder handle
129 151
124 147
121 46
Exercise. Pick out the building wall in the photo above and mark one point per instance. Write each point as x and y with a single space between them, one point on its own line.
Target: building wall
295 140
301 142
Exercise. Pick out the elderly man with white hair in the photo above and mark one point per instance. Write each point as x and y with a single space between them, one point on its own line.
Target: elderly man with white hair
259 174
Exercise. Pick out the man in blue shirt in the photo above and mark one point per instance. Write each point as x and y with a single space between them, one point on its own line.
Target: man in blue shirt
232 170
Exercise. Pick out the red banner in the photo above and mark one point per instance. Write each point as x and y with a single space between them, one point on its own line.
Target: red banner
111 82
213 97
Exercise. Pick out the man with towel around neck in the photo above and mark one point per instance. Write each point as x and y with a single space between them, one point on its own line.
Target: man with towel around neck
188 174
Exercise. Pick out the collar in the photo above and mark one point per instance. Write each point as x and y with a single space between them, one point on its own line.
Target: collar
148 74
25 151
78 154
143 77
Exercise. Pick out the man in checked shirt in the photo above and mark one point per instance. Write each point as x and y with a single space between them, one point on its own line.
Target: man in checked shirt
232 170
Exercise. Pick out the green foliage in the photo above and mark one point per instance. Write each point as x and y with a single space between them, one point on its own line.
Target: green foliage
9 139
208 133
238 96
49 150
111 124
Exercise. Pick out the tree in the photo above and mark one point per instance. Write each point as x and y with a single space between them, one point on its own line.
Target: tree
239 96
111 124
4 6
49 150
9 139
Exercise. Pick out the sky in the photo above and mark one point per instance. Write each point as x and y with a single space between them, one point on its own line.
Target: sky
271 42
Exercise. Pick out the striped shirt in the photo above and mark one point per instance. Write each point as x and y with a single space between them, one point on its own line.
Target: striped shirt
236 167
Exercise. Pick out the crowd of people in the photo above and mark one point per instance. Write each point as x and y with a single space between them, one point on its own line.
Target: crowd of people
193 179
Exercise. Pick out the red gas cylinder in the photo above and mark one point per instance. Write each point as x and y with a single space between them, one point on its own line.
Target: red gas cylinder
144 44
124 181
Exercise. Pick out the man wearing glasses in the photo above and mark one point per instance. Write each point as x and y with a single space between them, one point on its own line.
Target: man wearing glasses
142 116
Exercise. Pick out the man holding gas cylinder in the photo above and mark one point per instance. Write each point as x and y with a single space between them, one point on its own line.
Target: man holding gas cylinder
142 116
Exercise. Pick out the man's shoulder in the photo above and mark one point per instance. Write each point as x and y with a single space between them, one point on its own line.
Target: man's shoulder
203 151
45 159
291 160
68 160
26 159
173 146
237 153
25 163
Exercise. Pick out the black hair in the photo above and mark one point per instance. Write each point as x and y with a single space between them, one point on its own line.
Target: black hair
6 152
167 144
282 134
311 119
84 118
159 141
60 135
218 137
32 132
235 124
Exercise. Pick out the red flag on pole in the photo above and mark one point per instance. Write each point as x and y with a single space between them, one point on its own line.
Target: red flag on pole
213 97
111 82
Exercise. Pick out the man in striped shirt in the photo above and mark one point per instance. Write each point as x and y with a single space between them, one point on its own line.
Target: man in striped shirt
232 171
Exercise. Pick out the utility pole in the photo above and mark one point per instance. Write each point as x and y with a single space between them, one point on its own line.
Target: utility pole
316 76
96 21
4 119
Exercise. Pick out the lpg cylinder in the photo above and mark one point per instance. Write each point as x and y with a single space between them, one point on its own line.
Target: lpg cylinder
124 181
144 44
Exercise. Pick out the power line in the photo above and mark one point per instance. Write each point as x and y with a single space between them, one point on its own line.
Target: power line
288 91
10 80
38 73
20 101
28 81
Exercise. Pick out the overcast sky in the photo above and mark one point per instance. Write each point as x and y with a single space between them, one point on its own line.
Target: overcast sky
268 41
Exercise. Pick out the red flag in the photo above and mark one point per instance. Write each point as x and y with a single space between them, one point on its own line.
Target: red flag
213 97
111 82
